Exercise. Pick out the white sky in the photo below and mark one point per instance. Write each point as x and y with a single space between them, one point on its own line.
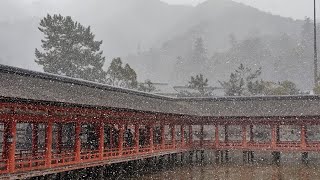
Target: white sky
289 8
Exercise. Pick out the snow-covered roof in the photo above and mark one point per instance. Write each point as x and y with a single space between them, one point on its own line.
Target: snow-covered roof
20 84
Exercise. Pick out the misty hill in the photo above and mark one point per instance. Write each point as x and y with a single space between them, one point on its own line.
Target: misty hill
150 34
214 21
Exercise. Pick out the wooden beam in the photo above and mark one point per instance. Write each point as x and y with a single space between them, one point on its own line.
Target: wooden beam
11 144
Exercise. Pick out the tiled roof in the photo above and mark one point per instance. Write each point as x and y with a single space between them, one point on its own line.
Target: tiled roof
18 83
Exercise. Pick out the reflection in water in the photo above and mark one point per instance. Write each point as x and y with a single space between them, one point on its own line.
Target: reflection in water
291 168
241 172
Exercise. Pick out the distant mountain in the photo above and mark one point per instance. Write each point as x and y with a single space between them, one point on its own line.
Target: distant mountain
214 21
148 34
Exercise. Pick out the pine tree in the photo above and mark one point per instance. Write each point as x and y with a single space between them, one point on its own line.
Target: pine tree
121 76
199 54
114 72
69 49
147 86
199 83
129 77
241 82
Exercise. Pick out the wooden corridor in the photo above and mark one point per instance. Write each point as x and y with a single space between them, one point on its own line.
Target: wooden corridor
51 124
153 134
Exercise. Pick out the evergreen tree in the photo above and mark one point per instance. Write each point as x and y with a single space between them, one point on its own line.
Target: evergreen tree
199 54
280 88
241 82
307 33
147 86
129 78
121 76
114 72
199 83
69 49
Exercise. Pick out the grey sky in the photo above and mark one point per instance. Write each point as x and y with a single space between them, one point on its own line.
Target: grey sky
289 8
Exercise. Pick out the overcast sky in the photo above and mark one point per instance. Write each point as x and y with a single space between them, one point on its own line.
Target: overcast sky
289 8
297 9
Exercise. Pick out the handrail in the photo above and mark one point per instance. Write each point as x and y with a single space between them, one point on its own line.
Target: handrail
34 161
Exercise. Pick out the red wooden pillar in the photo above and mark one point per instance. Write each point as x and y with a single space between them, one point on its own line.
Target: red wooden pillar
136 137
274 136
77 148
34 139
101 140
173 136
182 134
216 136
190 135
201 135
303 137
162 137
244 136
120 140
48 144
151 136
59 138
11 140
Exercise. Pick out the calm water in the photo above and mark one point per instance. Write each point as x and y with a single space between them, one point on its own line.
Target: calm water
241 172
290 168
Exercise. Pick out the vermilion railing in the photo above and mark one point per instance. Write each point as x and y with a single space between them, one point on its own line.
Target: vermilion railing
25 160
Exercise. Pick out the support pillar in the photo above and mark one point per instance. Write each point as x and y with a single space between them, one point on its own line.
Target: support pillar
190 156
10 139
226 139
120 140
77 143
48 144
35 139
101 140
217 156
303 135
136 137
275 137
